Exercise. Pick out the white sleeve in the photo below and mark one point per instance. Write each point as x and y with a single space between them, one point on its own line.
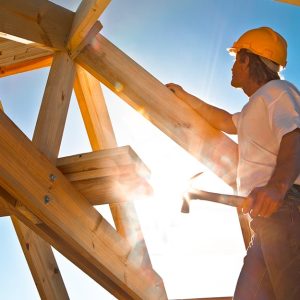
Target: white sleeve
284 114
235 119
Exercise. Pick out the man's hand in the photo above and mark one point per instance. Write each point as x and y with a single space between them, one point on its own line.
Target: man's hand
177 90
263 201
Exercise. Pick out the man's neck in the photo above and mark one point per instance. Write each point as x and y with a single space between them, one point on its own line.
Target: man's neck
251 87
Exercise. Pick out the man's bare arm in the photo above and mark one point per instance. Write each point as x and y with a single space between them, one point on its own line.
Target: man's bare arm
216 117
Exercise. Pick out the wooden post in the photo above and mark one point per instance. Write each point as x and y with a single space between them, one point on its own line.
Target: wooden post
47 138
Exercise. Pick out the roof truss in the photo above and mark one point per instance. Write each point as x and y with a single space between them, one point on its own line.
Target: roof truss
51 202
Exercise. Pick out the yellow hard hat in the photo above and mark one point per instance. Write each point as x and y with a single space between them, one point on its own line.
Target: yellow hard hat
264 42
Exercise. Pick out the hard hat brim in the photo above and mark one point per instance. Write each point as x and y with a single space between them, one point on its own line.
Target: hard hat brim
232 51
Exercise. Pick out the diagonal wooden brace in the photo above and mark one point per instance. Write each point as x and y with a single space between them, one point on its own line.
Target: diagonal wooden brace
67 216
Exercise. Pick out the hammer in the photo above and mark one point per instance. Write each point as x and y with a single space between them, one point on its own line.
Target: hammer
231 200
193 194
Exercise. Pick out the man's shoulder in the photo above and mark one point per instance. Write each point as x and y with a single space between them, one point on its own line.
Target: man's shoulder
278 86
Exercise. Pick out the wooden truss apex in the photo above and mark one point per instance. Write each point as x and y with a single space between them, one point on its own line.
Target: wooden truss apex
85 25
50 25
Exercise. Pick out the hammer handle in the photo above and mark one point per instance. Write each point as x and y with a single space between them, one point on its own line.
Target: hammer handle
231 200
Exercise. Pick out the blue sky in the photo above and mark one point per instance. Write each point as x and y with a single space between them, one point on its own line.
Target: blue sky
176 41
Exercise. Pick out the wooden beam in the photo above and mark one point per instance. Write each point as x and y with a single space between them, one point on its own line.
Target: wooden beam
84 22
107 176
4 211
51 120
39 21
42 263
47 138
49 236
13 52
28 176
153 100
25 66
101 134
171 115
16 58
94 111
38 254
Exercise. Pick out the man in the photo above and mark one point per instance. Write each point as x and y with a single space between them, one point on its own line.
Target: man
269 163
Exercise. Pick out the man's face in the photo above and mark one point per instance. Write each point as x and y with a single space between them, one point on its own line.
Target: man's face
239 72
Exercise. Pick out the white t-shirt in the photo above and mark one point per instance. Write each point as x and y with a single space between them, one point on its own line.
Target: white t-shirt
272 111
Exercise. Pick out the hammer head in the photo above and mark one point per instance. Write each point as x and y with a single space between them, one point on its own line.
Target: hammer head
185 208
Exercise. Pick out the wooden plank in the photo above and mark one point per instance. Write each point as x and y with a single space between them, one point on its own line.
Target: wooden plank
40 21
113 190
16 58
84 21
13 38
108 160
107 176
26 65
53 111
12 52
26 174
20 52
147 95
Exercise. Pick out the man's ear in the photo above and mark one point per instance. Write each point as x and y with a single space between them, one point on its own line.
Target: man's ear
246 61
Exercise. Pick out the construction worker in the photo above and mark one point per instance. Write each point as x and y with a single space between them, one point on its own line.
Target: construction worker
268 129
